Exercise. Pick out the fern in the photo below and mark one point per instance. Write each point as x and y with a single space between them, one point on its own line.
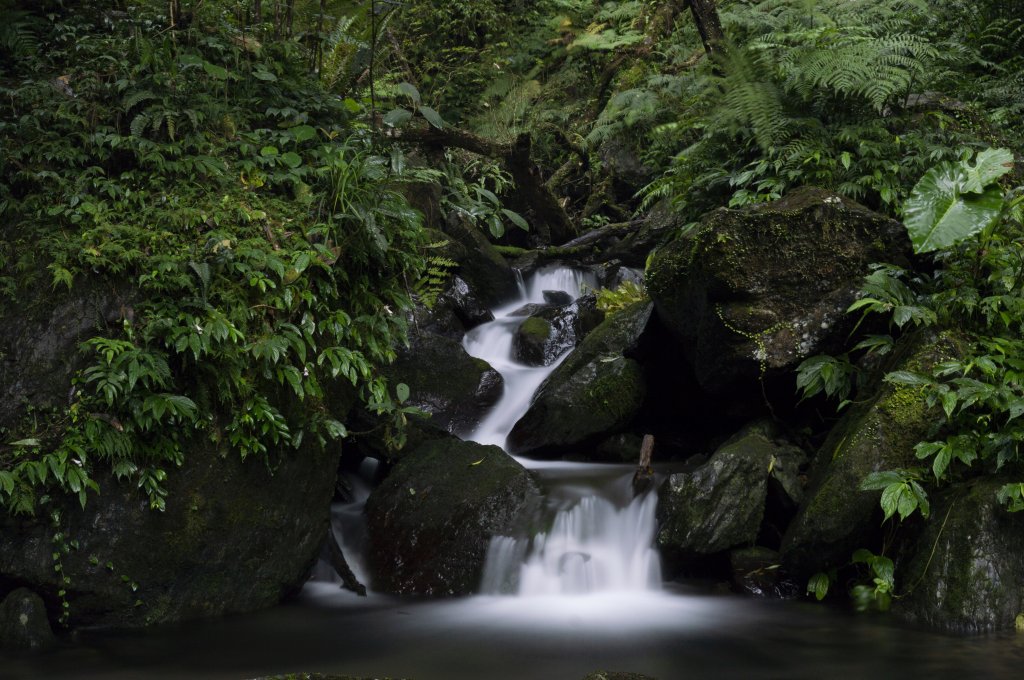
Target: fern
17 35
435 276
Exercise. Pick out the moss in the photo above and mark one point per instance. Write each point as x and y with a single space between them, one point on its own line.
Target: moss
536 328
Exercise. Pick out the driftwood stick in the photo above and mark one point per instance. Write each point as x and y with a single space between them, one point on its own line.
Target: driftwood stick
333 555
644 475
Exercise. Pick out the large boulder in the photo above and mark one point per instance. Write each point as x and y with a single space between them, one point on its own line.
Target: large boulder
759 290
878 433
719 505
965 572
445 381
596 391
235 536
432 518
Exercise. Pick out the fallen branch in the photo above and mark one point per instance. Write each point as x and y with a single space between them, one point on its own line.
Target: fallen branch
332 554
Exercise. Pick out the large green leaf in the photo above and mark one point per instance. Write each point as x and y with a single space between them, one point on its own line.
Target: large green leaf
990 165
938 214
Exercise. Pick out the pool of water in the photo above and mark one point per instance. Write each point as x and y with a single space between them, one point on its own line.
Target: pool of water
668 634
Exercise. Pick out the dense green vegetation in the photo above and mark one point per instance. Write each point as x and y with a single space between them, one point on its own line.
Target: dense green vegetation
233 167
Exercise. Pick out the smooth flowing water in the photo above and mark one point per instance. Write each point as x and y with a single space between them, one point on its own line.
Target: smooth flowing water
582 596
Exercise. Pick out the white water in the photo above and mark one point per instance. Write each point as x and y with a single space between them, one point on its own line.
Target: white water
600 538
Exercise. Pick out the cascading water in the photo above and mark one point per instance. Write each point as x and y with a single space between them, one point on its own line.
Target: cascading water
600 537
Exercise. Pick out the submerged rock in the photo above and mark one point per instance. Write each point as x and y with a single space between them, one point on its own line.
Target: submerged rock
432 518
23 622
596 391
756 291
965 572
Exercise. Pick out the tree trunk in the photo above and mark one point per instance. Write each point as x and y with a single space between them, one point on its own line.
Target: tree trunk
705 15
644 475
531 197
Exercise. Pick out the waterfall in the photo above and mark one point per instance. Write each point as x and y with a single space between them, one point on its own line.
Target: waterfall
599 537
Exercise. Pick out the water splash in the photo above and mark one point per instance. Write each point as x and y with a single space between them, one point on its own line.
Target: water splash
600 537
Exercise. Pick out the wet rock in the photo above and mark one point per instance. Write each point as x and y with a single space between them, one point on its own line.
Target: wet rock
470 310
719 505
23 622
483 268
431 520
557 298
878 433
530 341
756 291
596 391
445 381
236 536
551 332
965 572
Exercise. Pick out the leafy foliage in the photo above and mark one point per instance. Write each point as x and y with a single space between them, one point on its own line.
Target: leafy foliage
256 221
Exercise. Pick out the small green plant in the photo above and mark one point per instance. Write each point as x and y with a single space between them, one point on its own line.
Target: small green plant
876 596
612 301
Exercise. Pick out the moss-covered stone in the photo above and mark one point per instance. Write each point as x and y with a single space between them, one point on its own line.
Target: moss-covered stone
596 391
965 571
878 433
761 289
720 504
432 518
236 536
530 340
488 274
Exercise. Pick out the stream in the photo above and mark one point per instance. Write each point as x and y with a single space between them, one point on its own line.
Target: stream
584 595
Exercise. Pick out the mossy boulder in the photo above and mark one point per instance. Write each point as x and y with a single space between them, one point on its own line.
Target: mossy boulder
24 625
552 331
530 341
236 536
445 381
596 391
719 505
878 433
758 290
965 571
432 518
482 267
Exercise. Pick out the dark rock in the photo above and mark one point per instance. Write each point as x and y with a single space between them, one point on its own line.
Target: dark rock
236 536
551 332
965 572
596 391
756 291
220 546
758 571
23 622
557 298
431 520
483 268
720 505
467 307
878 433
617 675
445 381
530 341
530 309
618 448
39 341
